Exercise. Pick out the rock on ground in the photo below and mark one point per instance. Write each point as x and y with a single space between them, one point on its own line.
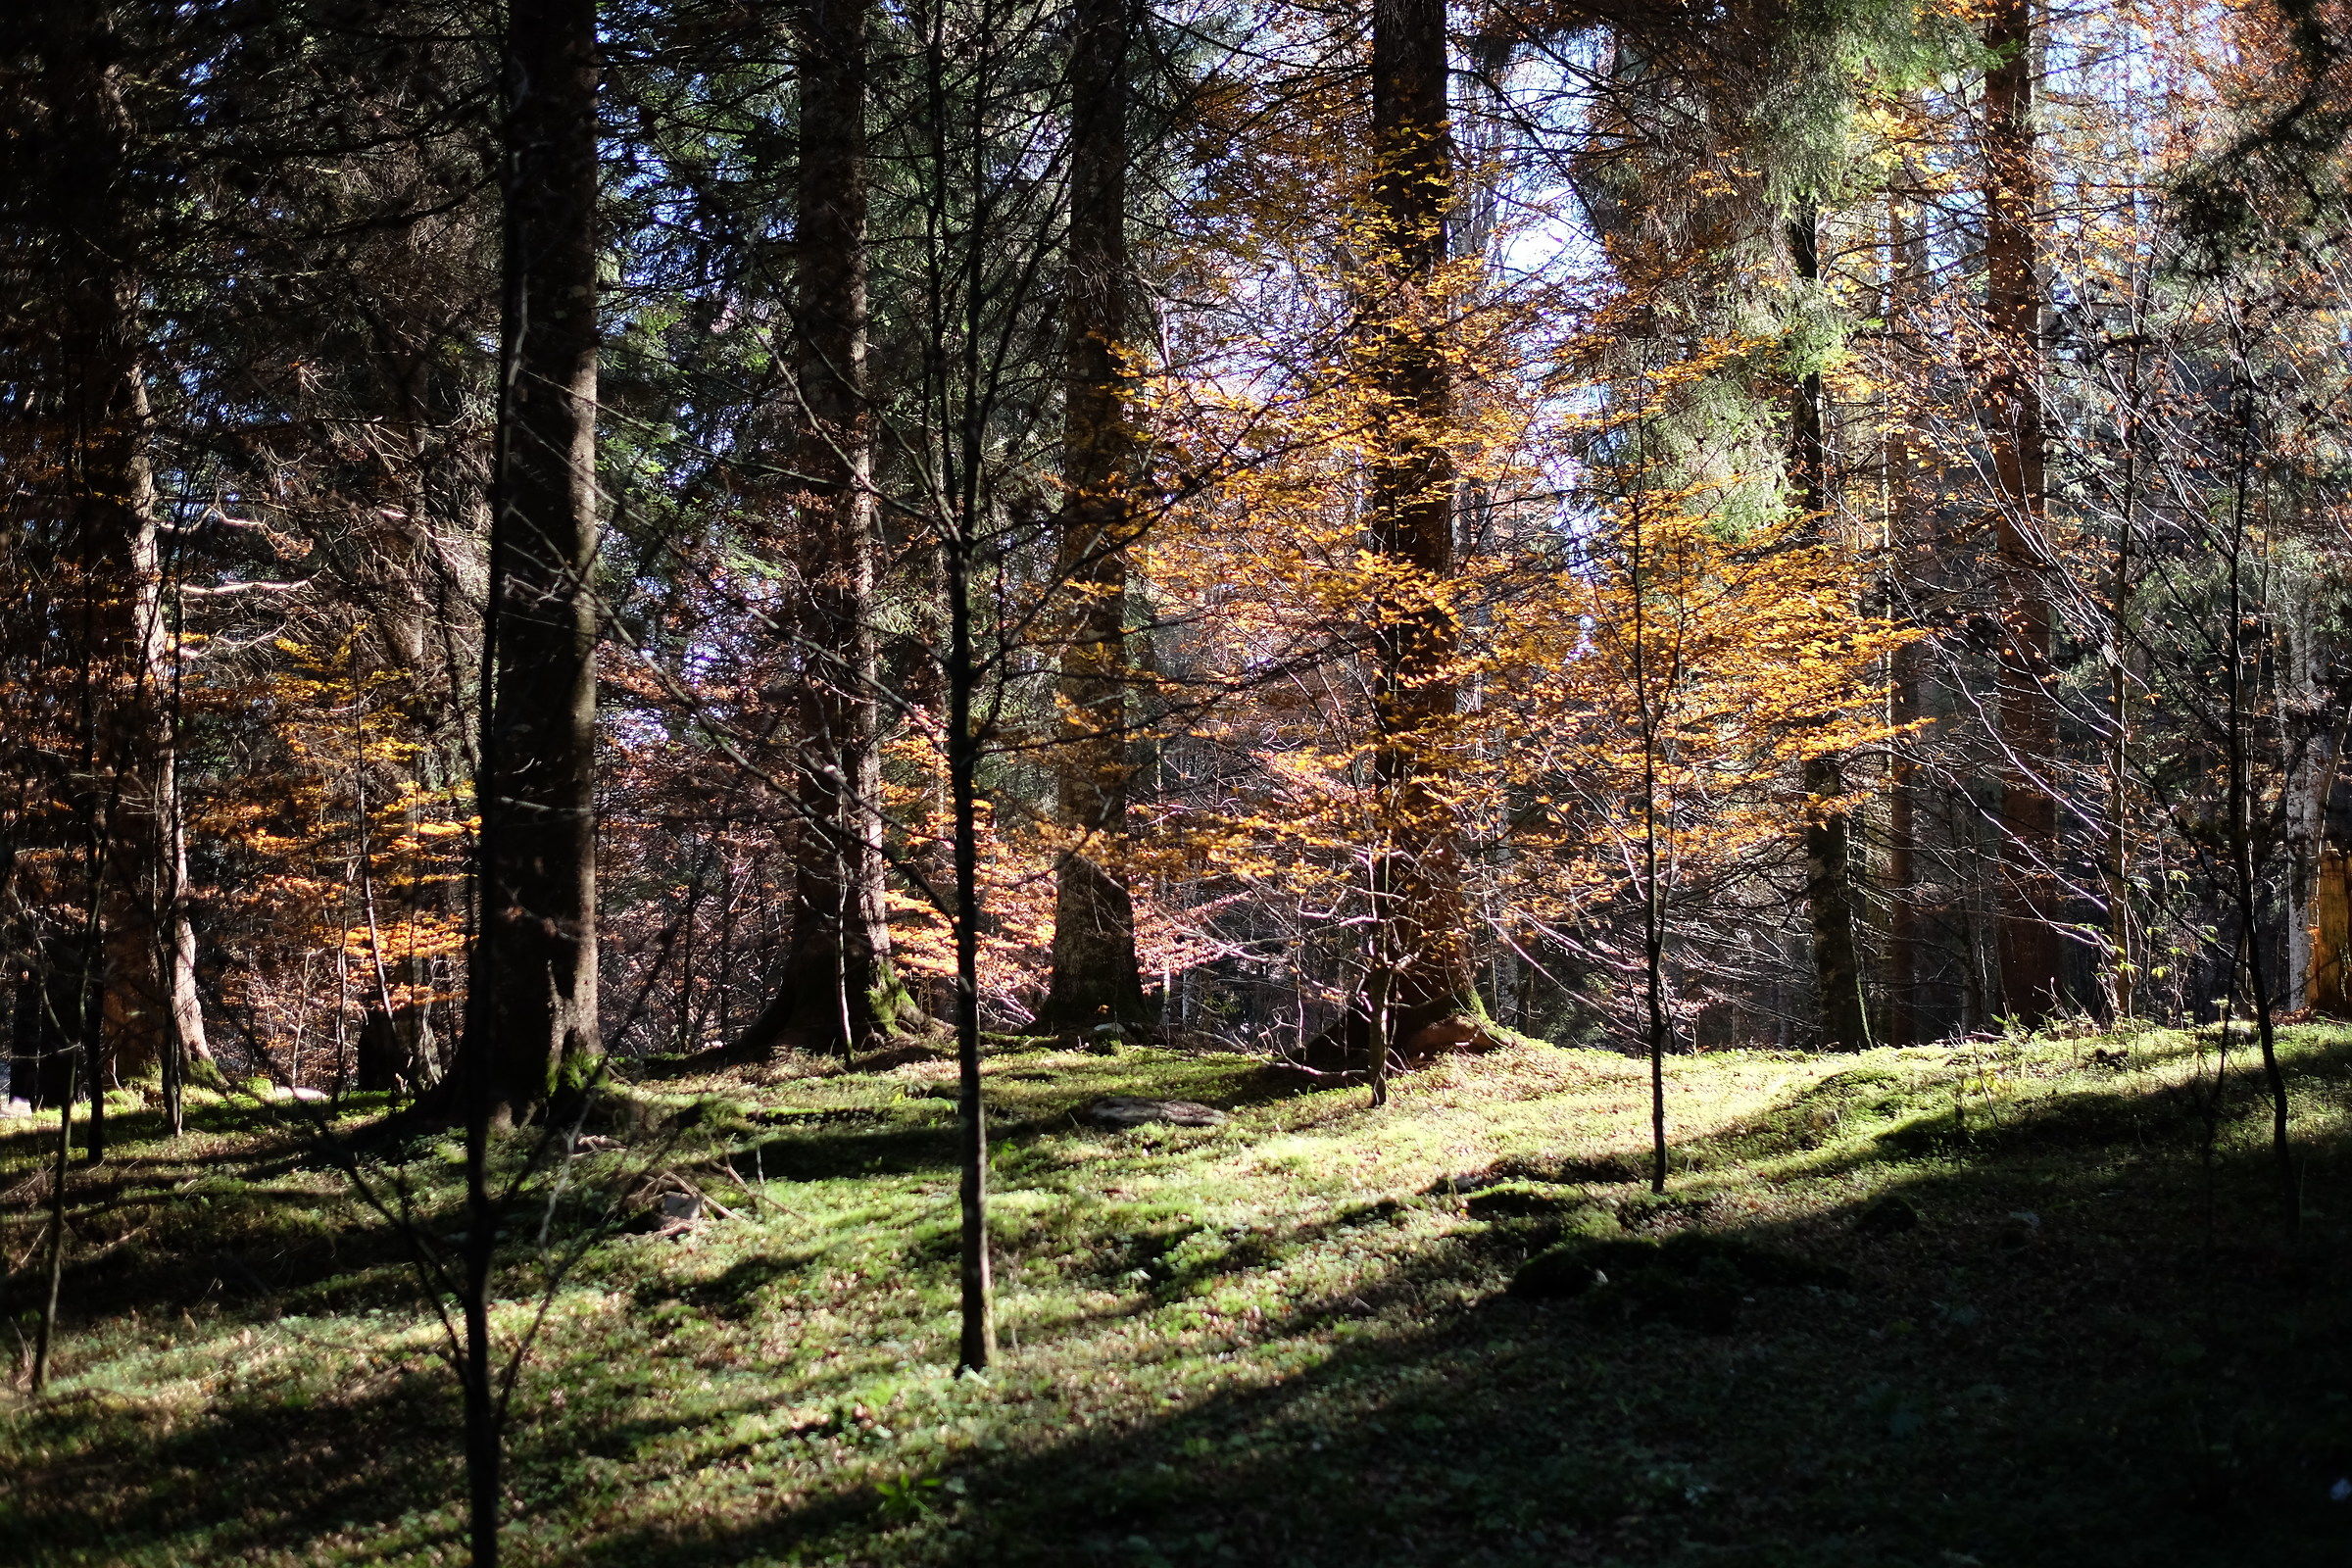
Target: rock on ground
1131 1110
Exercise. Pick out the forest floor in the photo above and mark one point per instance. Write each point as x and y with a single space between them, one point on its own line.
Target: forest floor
1287 1339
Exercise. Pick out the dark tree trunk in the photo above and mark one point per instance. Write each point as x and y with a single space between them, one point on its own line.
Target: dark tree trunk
838 992
1842 1018
127 796
1096 984
534 1022
25 1039
47 1026
1419 970
2027 933
55 1270
977 1340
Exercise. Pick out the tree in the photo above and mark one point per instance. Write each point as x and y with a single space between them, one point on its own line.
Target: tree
124 788
1095 983
1417 972
534 1032
838 991
2028 929
1841 1014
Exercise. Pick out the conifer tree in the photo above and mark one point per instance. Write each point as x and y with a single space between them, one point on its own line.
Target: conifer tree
534 1030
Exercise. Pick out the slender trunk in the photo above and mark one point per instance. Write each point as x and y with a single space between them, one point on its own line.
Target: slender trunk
484 1442
838 992
56 1260
2027 933
978 1345
89 1014
2122 947
1096 983
1657 1022
2239 760
1651 699
1417 902
1842 1016
956 377
1906 938
534 959
2301 804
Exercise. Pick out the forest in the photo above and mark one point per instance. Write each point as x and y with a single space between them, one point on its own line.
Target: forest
1150 781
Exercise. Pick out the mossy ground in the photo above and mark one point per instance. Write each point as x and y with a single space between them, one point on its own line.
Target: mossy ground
1285 1340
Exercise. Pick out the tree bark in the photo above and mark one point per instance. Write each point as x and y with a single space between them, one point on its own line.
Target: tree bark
1096 982
2331 986
1841 1019
838 993
1418 971
126 794
533 983
1906 938
47 1027
2328 986
2028 932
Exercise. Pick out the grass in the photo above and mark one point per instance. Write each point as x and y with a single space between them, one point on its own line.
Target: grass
1284 1340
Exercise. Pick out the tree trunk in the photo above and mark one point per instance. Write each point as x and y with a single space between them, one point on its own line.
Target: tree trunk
534 1019
1906 940
1841 1019
1418 971
128 795
2027 938
2310 766
47 1026
838 993
2330 990
1096 983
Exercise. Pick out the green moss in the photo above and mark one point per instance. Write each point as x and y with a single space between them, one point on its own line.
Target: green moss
1293 1337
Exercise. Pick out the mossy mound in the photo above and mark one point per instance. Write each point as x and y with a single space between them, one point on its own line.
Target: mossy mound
1812 1119
1509 1201
1694 1279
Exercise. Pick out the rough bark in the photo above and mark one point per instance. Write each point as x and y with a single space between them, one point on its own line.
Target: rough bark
838 992
2027 933
1096 983
535 1020
126 792
1842 1020
1418 971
